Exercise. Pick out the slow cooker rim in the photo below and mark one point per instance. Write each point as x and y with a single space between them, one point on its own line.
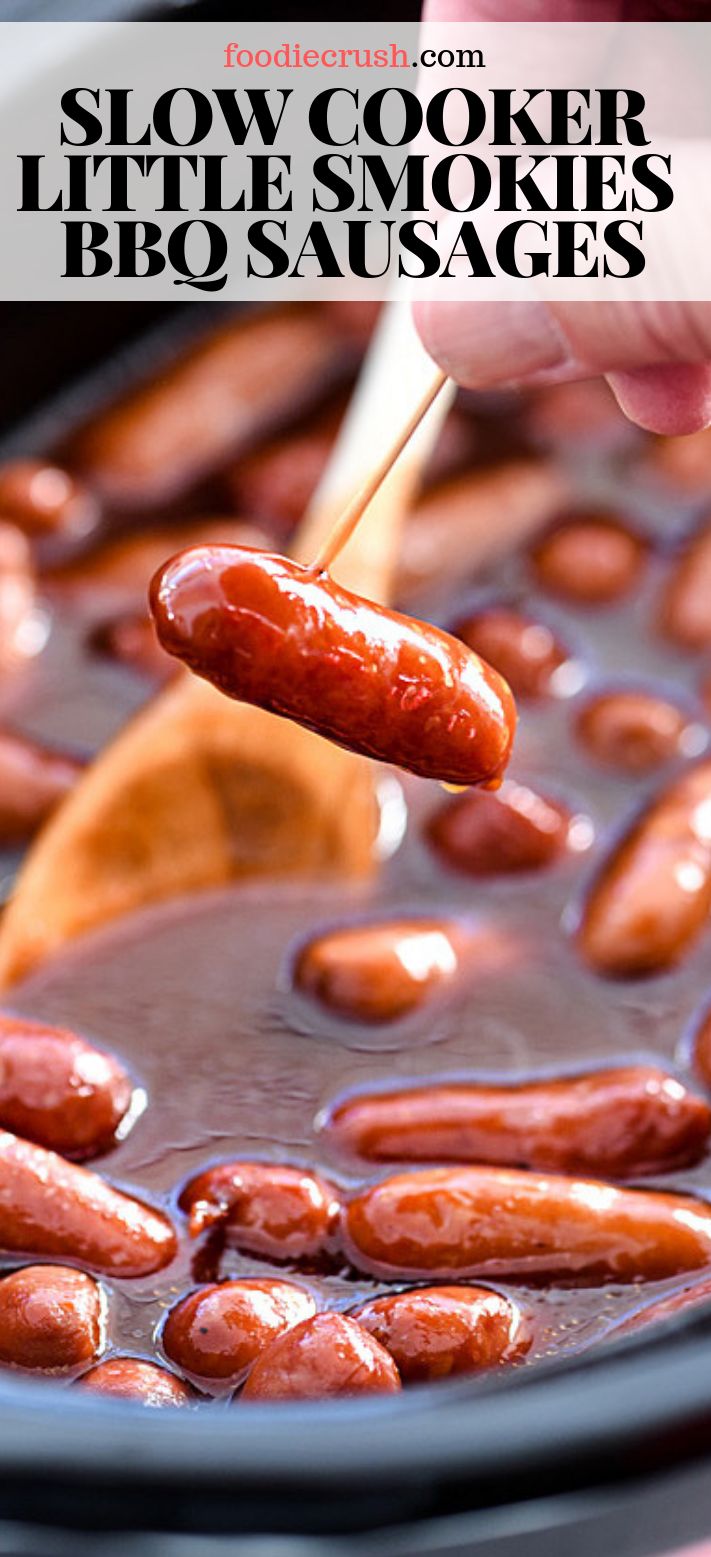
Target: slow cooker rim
639 1391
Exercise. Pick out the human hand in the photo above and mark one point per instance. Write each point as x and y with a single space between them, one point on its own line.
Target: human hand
656 356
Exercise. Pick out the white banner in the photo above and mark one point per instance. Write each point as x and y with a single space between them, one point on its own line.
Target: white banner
147 160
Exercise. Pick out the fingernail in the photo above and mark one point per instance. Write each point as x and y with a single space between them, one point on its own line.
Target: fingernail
487 343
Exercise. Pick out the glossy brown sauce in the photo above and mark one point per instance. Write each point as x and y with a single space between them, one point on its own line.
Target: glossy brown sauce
197 997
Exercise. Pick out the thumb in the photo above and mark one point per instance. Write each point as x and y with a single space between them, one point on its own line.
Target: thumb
657 355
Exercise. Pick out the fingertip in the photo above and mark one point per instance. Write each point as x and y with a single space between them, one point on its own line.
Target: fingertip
436 326
673 399
482 345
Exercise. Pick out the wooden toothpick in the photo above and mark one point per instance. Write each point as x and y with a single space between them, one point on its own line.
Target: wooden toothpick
353 513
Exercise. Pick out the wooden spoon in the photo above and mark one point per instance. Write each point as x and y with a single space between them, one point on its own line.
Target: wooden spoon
196 790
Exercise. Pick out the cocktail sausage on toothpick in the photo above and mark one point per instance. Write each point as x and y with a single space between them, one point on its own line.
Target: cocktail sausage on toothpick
271 632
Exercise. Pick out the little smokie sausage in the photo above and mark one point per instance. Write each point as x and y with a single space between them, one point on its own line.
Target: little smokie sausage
112 580
523 650
214 401
379 972
462 525
653 896
634 731
683 463
622 1123
17 597
433 1332
701 1048
590 559
491 835
356 317
581 416
327 1355
664 1308
130 1378
52 1207
274 484
51 1317
686 603
43 500
130 639
281 1212
58 1090
268 631
33 780
217 1332
454 1222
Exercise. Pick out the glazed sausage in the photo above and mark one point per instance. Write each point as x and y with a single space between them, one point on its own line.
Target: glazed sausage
131 640
379 972
33 780
52 1207
274 484
664 1308
489 835
43 500
686 602
464 523
281 1212
213 402
524 651
702 1048
433 1332
327 1355
271 632
114 578
130 1378
58 1090
591 559
356 317
217 1332
633 731
580 416
685 463
653 896
51 1317
454 1222
17 596
618 1123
